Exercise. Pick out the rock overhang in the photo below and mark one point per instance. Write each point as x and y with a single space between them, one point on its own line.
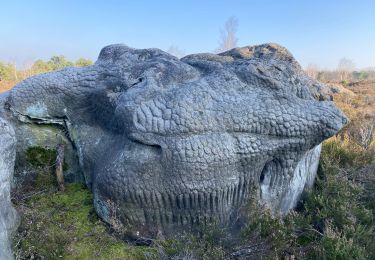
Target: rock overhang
172 141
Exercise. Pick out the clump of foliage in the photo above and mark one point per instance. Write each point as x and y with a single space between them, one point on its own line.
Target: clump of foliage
335 208
40 157
334 221
7 71
64 225
213 242
57 63
341 153
43 161
10 75
42 175
357 100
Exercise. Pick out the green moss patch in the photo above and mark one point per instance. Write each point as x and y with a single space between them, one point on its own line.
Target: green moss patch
58 225
40 157
335 220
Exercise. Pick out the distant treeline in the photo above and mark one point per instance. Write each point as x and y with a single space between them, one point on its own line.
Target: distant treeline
344 72
9 71
10 75
333 75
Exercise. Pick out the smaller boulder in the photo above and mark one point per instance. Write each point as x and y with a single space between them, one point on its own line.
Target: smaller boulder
8 215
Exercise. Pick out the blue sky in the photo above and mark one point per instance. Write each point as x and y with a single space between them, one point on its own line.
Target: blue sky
319 32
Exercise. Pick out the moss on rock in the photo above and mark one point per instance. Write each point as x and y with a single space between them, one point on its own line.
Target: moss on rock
64 225
40 157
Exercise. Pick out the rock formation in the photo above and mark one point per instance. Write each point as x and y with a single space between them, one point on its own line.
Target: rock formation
166 143
8 215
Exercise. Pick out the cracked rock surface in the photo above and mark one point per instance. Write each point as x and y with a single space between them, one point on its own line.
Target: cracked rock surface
166 143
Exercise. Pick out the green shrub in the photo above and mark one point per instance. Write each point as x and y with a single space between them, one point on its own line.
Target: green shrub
43 160
344 154
41 157
208 245
335 221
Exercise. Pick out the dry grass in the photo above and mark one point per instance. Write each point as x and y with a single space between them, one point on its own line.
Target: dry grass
6 85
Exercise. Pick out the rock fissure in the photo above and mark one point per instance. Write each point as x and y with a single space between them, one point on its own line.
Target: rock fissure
60 122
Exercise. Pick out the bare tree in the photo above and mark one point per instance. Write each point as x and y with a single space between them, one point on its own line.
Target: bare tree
175 51
312 71
15 71
228 39
366 133
344 68
362 131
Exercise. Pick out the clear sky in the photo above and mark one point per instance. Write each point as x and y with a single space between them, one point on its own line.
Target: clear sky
315 31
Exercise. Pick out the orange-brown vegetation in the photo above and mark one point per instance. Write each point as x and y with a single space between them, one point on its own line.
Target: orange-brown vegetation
358 103
6 85
10 75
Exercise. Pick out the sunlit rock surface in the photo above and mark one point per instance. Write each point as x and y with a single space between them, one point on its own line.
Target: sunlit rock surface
168 144
282 198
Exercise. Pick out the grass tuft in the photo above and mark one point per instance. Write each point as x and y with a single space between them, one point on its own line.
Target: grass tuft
64 225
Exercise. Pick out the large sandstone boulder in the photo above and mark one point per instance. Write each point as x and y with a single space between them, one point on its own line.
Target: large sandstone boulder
166 144
8 215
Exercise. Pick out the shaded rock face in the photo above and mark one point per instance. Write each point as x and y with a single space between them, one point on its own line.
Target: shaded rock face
167 143
8 215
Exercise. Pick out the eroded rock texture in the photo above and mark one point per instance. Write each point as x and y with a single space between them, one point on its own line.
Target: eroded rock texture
8 215
167 143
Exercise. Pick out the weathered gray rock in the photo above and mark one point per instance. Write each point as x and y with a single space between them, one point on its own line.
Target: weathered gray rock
42 135
8 215
167 143
281 198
